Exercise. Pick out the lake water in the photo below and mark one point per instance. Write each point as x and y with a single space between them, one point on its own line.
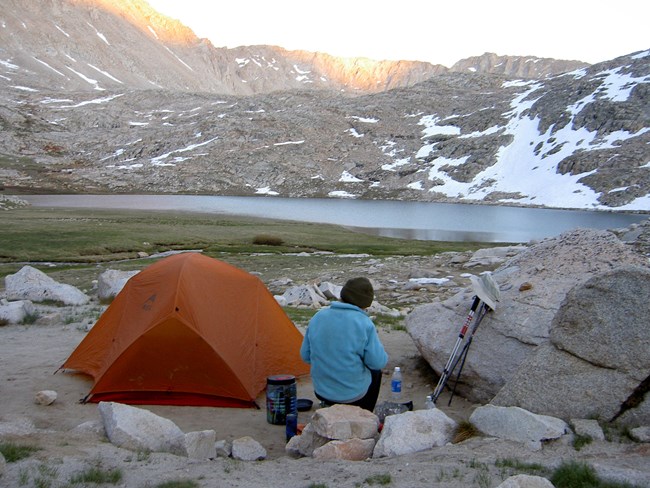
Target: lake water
411 220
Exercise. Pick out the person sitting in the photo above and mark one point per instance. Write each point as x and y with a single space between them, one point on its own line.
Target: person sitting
343 348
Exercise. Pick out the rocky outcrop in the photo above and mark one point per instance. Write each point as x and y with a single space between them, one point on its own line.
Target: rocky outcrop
111 282
31 284
528 67
521 332
597 360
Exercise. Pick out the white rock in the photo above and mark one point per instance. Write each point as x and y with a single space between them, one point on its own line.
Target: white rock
111 282
223 448
16 312
308 295
415 431
343 422
201 444
589 428
517 424
45 397
526 481
3 465
32 284
306 443
247 449
349 450
641 434
140 430
330 290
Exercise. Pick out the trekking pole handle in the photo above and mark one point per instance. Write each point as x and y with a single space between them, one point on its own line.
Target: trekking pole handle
475 304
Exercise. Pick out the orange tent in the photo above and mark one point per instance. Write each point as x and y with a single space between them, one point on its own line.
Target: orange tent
189 330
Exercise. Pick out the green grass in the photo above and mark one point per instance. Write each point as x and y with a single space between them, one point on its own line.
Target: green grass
179 484
580 441
574 474
13 452
300 316
98 475
91 236
516 466
379 479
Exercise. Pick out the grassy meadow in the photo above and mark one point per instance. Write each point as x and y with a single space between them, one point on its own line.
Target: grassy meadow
94 236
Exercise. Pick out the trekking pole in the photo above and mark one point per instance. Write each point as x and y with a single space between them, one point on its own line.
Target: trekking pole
452 358
487 294
463 354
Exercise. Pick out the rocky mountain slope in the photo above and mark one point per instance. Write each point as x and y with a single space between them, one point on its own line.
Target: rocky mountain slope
99 96
118 44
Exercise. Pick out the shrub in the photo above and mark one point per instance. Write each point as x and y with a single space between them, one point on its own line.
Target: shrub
464 431
30 318
380 479
267 240
574 474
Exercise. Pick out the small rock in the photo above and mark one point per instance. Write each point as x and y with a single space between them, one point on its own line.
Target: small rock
526 481
201 444
45 397
588 428
641 434
349 450
247 449
223 448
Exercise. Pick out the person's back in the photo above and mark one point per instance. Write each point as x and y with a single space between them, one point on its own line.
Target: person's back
342 346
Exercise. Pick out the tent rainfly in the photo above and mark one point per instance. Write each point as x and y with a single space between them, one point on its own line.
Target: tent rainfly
189 330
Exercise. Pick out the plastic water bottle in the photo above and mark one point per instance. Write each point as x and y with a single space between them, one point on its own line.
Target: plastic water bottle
428 403
396 385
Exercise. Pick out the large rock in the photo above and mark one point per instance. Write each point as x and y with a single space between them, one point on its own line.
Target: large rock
140 430
533 285
517 424
111 282
31 284
415 431
342 422
597 361
304 295
16 312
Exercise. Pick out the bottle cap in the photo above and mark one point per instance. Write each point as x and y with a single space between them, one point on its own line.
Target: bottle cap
397 368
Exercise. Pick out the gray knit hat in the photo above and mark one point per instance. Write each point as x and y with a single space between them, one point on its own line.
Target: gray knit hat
358 291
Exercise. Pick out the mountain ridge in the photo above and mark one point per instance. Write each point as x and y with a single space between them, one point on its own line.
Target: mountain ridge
576 139
89 44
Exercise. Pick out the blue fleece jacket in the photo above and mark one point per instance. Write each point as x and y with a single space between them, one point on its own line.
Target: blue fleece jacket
341 345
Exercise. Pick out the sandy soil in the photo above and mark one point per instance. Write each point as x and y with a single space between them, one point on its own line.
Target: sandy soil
30 355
